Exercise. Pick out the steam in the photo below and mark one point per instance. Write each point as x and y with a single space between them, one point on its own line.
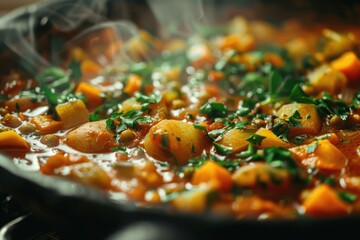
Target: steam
105 42
178 18
17 28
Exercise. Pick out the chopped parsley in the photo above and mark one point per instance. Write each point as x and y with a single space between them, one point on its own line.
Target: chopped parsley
281 158
214 110
300 139
119 121
197 162
282 127
223 149
347 197
255 139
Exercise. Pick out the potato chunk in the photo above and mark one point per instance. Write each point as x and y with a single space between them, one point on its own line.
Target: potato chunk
72 114
327 79
92 137
236 139
310 120
261 174
175 141
270 140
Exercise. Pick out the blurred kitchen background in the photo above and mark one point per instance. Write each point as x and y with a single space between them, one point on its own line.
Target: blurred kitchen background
8 5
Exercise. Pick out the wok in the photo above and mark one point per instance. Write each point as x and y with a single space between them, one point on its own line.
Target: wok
80 212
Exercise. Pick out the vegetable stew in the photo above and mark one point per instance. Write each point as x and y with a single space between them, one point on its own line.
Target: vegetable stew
230 120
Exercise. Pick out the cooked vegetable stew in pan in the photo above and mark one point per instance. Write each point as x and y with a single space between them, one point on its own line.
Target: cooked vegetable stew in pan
245 119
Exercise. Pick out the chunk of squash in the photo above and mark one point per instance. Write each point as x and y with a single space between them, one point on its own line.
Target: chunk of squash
91 93
323 154
324 201
46 124
72 113
10 140
60 160
349 65
211 172
310 120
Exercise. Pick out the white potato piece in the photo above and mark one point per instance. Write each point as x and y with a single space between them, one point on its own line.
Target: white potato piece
92 137
324 78
259 174
236 139
310 120
175 141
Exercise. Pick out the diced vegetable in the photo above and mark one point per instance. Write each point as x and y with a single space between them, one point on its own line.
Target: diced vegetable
324 78
322 153
240 42
309 118
90 69
200 55
91 93
236 139
133 84
88 173
130 104
324 201
72 113
195 200
61 160
46 124
261 175
91 137
211 172
252 206
21 104
10 140
175 141
270 139
349 64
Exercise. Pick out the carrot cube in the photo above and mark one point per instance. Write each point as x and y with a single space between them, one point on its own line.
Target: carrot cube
46 124
324 201
211 172
349 65
91 93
